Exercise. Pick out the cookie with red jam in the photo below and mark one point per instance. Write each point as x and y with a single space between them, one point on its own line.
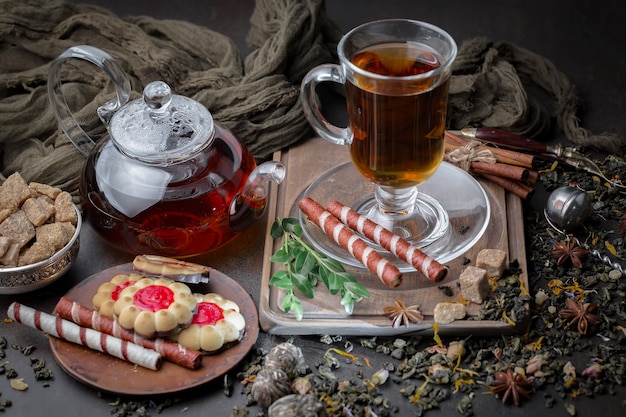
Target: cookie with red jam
155 307
217 324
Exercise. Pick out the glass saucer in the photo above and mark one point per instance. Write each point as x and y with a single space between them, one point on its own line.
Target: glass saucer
462 197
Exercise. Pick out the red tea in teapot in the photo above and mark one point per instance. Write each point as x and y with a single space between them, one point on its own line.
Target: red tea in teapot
166 179
196 211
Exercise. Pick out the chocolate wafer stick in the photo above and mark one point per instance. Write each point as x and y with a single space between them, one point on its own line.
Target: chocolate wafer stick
356 246
66 330
432 269
86 317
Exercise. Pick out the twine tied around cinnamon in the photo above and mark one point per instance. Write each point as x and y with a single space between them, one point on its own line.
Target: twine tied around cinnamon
466 154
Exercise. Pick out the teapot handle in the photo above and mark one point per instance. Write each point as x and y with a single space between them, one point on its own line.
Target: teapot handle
63 114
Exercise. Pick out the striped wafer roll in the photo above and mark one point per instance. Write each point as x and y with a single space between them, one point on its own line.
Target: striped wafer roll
432 269
66 330
86 317
356 246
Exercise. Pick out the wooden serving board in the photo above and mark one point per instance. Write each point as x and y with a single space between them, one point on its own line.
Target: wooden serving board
324 315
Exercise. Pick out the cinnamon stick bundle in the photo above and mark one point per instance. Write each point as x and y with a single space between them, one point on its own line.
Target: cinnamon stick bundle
512 170
504 156
499 169
518 188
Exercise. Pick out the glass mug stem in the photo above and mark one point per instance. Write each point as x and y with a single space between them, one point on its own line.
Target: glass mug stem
396 75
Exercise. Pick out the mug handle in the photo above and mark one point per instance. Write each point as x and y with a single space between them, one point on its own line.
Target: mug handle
311 103
63 114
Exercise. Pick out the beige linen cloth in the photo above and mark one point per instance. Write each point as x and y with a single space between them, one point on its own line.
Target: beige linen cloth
257 97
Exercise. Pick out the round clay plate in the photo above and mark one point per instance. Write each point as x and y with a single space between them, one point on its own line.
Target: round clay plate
117 376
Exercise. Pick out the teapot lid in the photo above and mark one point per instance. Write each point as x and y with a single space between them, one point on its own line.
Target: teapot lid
162 128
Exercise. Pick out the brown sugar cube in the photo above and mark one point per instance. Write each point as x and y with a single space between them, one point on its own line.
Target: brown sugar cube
13 192
64 209
492 260
45 189
70 229
446 313
38 251
474 284
54 234
11 255
18 228
48 203
36 212
5 242
4 214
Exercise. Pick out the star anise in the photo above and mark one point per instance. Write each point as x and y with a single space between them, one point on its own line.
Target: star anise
515 386
579 315
569 251
400 314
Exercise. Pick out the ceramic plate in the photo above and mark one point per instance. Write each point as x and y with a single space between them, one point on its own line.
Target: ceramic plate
110 374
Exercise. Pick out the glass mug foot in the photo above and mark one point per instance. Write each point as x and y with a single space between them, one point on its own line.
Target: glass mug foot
421 221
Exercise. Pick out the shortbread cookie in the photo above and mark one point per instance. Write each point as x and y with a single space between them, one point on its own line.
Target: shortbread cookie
217 323
155 307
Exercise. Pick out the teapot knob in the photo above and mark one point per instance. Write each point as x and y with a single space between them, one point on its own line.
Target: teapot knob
157 95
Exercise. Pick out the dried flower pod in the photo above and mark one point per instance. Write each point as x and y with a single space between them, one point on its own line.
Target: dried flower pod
533 367
301 385
297 405
18 384
456 349
380 377
288 357
270 384
592 371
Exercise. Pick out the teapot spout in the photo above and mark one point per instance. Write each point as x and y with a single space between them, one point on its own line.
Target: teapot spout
250 204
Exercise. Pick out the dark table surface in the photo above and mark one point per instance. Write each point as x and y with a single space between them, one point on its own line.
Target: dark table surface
583 38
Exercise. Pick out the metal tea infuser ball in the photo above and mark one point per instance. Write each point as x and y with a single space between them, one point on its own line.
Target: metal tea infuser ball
566 209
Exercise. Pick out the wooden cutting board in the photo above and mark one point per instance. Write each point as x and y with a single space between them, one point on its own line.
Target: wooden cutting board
324 315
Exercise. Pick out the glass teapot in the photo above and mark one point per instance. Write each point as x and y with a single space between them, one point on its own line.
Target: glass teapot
165 179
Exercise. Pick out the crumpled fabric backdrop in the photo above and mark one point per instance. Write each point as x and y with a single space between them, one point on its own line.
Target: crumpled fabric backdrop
257 97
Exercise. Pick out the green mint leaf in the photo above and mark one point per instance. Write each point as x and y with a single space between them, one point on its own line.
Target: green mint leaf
276 230
297 309
292 225
303 284
305 267
334 283
357 289
331 264
287 301
348 302
281 256
305 262
281 279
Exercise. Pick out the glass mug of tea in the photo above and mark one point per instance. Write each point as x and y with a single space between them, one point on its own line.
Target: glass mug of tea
396 75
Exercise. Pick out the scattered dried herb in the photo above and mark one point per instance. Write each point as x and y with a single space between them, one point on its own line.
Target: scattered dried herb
401 314
580 315
305 267
622 225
